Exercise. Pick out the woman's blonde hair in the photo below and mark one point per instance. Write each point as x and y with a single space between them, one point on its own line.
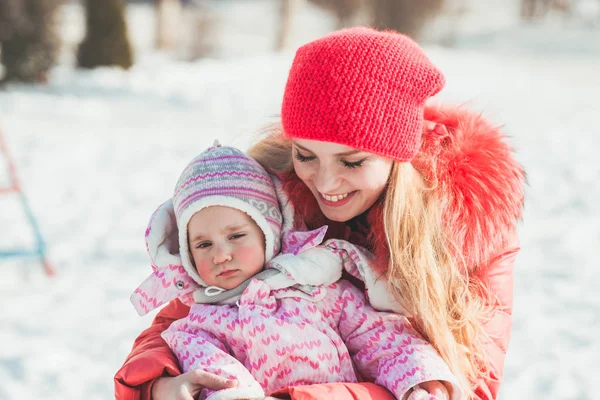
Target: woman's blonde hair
423 274
426 277
273 151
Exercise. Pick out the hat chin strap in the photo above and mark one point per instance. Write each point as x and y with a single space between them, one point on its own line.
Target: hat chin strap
215 294
213 291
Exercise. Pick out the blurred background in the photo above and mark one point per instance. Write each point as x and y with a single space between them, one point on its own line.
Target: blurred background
103 102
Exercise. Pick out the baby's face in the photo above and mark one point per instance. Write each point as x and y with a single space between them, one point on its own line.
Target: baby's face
227 246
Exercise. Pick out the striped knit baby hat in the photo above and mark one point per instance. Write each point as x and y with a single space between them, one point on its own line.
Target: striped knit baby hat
361 88
224 176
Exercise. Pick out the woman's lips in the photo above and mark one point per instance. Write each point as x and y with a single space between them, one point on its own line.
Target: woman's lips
338 203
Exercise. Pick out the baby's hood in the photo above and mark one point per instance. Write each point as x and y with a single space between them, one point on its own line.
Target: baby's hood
169 279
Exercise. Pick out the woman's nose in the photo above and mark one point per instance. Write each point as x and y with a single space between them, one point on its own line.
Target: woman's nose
222 254
326 181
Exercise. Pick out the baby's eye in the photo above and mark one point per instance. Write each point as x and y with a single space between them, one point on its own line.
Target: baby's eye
203 245
237 236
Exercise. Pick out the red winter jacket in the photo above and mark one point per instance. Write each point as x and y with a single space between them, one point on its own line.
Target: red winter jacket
483 188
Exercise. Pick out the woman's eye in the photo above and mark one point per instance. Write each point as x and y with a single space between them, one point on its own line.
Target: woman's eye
203 245
303 158
237 236
355 164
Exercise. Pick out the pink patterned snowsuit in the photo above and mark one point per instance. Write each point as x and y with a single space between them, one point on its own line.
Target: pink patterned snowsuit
278 335
269 342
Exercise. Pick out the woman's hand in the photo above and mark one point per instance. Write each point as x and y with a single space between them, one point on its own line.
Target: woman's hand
188 386
428 391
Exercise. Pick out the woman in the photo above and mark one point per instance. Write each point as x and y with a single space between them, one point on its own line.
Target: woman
434 193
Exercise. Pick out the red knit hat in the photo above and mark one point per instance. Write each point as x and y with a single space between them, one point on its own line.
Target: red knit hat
361 88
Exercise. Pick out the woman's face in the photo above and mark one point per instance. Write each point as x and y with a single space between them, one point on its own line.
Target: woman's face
346 182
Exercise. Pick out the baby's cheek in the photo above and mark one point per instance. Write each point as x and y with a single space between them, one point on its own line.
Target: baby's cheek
203 267
251 255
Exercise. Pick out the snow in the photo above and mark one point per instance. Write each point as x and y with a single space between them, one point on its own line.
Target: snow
98 150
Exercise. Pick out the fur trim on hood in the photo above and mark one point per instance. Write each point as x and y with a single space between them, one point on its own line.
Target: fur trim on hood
480 181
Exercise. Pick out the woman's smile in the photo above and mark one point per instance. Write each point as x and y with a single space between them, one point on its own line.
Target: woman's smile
336 200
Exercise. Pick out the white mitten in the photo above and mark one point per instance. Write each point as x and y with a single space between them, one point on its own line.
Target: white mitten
419 393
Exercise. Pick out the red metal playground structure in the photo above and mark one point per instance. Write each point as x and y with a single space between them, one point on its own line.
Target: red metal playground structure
39 250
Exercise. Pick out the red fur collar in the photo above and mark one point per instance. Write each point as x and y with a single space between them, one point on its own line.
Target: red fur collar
478 176
481 182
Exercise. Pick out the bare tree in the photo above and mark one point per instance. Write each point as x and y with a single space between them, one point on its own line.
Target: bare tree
28 38
344 10
285 21
10 11
106 40
168 19
199 34
405 16
528 9
534 9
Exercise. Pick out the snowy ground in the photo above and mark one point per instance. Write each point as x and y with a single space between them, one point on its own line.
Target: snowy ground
98 151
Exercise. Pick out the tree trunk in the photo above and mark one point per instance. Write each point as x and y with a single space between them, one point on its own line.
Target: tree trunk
527 9
405 16
28 38
168 19
344 10
106 41
286 11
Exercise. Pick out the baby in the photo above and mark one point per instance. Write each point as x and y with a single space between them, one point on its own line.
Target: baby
268 307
